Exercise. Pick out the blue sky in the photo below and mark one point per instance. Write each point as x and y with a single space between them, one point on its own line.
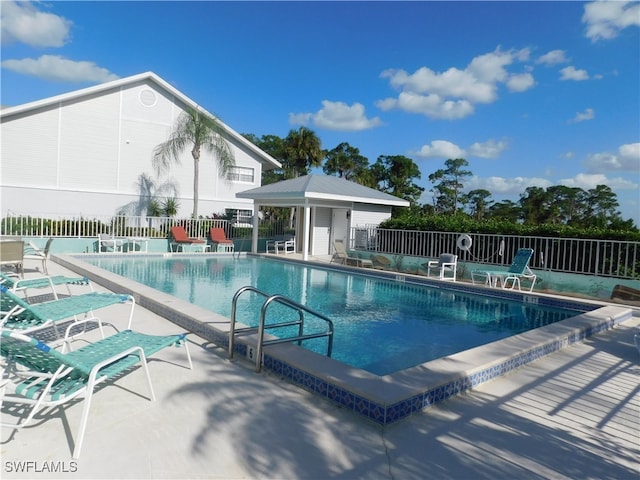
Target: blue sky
529 93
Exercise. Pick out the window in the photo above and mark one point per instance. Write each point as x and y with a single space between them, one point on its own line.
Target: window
241 174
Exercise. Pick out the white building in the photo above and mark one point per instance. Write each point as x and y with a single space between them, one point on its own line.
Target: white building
83 153
329 209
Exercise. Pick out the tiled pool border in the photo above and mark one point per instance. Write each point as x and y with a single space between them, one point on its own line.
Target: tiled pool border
385 399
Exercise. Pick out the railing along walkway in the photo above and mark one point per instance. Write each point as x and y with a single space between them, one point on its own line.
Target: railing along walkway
610 258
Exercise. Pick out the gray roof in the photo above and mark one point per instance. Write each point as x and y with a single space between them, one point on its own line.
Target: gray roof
310 188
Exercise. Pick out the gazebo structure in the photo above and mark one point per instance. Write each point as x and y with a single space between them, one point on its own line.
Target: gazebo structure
327 209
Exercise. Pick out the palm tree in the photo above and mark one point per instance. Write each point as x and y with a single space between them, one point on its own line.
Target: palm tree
201 131
302 149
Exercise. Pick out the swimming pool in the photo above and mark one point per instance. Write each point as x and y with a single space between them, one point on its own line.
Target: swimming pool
383 399
381 325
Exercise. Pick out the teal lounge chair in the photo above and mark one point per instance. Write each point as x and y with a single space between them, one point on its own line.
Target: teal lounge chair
18 284
42 377
23 316
509 278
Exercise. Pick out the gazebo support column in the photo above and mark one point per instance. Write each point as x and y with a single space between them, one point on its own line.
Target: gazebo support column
305 238
256 223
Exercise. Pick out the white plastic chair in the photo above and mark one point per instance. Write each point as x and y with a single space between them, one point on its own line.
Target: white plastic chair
108 241
446 263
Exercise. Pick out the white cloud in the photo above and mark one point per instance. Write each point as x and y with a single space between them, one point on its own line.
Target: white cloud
453 93
338 116
506 186
605 19
299 118
440 149
446 149
553 57
627 160
22 22
587 181
520 82
54 67
588 114
430 105
571 73
488 149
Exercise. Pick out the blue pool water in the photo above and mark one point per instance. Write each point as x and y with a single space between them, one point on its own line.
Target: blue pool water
381 325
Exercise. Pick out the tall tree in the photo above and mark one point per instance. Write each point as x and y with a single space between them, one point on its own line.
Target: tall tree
564 203
448 185
302 150
395 175
602 204
274 146
505 210
478 202
346 162
198 131
534 203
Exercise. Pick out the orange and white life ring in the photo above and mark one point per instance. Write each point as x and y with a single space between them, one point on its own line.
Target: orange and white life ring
464 242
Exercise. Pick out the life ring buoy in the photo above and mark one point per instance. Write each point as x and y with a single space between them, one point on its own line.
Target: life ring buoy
464 242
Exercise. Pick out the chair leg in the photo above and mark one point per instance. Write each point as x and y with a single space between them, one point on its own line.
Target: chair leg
83 424
186 346
87 404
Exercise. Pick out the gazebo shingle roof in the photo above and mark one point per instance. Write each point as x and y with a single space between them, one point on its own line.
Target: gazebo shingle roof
305 189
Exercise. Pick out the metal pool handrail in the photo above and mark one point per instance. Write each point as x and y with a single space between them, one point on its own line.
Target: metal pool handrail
281 299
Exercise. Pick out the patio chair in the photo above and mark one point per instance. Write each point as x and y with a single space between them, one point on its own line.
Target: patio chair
20 315
343 256
42 377
519 269
282 243
12 254
180 239
109 241
446 263
16 284
220 240
31 252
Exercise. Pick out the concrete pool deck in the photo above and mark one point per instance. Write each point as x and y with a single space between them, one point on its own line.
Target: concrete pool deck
572 414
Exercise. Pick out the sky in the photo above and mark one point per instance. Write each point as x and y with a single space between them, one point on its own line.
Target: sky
529 93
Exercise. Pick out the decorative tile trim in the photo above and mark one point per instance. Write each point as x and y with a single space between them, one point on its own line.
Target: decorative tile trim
387 414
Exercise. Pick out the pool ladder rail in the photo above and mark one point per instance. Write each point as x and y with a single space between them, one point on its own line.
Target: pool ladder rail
262 326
